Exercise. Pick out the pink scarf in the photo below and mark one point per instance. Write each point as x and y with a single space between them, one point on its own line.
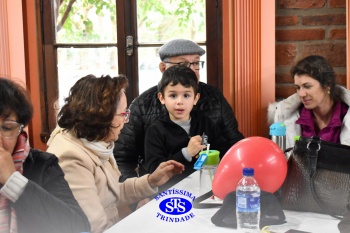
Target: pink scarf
8 219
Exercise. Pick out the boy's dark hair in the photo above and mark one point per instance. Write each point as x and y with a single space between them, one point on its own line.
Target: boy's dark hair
178 74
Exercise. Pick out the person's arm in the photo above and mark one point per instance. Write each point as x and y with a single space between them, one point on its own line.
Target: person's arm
164 172
214 105
80 172
47 201
229 127
95 185
156 149
217 140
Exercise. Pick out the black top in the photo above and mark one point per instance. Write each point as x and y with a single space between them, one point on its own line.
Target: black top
165 139
47 203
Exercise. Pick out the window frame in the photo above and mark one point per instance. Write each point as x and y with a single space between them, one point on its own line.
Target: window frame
128 65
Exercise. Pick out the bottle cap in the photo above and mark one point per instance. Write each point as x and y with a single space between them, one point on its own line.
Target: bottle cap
213 157
278 129
296 138
247 171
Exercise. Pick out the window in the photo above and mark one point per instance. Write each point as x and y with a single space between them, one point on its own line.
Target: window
111 37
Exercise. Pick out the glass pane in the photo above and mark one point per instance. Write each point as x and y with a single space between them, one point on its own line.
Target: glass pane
74 63
149 73
163 20
159 21
83 21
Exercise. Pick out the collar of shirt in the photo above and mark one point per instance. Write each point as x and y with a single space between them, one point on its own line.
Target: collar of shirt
331 132
306 116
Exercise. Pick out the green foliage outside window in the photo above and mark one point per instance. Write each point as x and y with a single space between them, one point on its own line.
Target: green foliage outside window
90 21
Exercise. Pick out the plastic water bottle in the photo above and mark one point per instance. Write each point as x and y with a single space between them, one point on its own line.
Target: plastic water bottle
248 203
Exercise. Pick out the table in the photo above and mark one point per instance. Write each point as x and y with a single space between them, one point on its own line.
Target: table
144 220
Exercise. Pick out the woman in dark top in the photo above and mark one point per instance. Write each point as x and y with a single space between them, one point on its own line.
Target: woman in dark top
34 196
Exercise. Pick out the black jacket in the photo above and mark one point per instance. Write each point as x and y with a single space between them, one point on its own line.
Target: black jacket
146 109
47 203
165 139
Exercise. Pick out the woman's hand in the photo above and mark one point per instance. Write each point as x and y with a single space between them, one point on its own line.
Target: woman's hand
195 145
7 166
143 202
164 172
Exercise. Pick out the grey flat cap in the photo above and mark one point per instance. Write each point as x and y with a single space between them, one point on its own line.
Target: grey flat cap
179 47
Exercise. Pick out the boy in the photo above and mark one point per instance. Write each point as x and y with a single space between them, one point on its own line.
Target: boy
177 136
146 109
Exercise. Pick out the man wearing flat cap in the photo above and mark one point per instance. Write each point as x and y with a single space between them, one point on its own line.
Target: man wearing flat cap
146 109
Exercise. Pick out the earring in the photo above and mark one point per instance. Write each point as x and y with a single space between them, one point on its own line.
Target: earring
329 92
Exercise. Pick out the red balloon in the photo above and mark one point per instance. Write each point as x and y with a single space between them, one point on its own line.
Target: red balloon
262 154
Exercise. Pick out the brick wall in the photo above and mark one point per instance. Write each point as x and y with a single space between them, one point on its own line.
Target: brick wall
309 27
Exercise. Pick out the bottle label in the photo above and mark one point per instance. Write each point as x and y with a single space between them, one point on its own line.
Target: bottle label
248 203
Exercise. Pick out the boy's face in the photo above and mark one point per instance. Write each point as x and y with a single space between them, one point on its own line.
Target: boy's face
179 101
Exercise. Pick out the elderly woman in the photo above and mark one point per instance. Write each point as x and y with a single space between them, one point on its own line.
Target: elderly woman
319 108
34 196
89 122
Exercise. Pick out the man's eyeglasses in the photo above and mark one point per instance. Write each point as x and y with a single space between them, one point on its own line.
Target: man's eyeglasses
197 65
125 114
10 129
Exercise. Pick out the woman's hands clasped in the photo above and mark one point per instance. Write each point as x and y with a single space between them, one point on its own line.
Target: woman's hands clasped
164 172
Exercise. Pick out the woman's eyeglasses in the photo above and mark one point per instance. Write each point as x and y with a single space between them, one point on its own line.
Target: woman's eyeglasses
10 129
125 114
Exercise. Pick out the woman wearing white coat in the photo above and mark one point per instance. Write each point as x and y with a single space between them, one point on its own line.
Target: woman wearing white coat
318 108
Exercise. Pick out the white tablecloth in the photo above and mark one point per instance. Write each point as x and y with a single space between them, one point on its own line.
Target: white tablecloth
144 220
